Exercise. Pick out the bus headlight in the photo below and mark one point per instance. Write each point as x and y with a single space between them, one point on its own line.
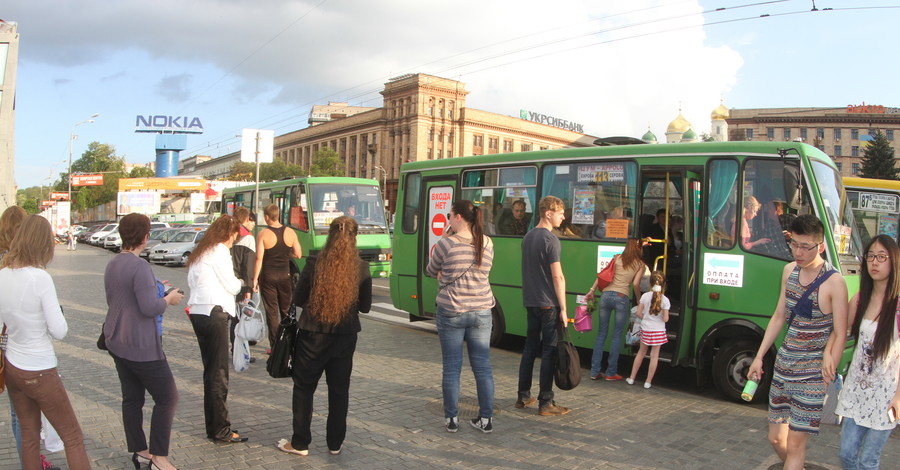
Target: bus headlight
384 257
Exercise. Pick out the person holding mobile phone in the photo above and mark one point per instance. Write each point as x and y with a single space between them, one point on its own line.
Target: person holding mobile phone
871 393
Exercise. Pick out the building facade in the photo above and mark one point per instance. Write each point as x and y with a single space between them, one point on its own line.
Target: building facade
9 58
842 133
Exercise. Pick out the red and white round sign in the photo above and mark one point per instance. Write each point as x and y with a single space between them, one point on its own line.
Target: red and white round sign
438 222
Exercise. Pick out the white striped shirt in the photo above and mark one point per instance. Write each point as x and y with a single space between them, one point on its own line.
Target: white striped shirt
465 286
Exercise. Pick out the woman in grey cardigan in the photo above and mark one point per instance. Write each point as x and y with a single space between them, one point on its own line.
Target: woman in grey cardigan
133 331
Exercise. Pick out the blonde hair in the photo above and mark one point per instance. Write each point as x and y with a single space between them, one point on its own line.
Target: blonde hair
32 245
336 280
657 279
9 223
550 203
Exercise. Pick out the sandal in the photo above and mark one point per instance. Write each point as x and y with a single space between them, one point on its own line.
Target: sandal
283 446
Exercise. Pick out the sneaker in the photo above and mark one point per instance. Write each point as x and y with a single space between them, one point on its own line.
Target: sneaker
610 378
647 385
552 409
629 381
452 424
525 402
484 425
597 377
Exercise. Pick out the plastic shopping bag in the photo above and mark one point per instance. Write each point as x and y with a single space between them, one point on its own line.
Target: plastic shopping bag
240 356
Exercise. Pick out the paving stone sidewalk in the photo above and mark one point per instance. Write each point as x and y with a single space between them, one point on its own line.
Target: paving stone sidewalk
395 418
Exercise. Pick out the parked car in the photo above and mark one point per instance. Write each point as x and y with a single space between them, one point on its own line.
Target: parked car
113 241
178 248
106 230
156 225
157 237
85 236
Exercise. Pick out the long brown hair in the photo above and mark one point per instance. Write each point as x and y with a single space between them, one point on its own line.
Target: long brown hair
220 231
336 280
32 245
632 256
657 278
473 216
9 223
885 332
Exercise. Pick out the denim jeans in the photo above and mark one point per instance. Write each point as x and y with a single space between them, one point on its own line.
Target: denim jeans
861 446
610 302
14 421
543 328
474 328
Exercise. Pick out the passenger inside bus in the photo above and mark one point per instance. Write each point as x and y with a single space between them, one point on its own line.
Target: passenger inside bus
514 221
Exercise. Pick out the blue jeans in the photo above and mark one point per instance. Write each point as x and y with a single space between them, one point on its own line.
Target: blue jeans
609 302
14 420
474 328
861 446
543 328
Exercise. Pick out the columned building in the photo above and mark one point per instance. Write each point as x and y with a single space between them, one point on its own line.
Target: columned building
9 58
842 133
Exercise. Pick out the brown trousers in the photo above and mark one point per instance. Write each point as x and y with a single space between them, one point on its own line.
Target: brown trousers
33 392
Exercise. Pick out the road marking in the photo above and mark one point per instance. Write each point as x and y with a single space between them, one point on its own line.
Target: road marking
393 317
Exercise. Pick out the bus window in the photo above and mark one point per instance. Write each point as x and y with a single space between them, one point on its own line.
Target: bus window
721 210
362 202
265 198
838 215
411 203
765 215
599 198
299 216
506 195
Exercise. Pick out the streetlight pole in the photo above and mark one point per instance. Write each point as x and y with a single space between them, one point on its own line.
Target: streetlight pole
72 138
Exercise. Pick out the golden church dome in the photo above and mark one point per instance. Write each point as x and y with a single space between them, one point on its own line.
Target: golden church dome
720 113
679 125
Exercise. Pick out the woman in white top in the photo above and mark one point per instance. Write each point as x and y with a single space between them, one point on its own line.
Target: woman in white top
871 390
213 287
30 310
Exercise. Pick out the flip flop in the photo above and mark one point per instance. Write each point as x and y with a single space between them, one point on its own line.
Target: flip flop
283 446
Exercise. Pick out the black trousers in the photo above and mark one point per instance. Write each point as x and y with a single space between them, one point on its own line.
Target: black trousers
138 378
277 293
317 353
212 335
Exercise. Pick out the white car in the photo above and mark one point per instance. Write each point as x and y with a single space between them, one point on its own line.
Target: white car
95 238
113 241
178 248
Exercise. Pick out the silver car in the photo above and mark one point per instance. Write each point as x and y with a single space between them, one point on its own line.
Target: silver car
113 241
95 238
158 236
177 249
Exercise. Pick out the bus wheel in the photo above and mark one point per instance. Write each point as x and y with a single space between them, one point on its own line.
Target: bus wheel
498 327
730 369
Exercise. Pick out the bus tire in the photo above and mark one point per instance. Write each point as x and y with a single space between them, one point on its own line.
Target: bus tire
498 326
729 369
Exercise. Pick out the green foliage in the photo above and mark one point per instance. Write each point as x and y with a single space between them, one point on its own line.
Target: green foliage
29 198
98 158
326 162
141 172
878 160
277 170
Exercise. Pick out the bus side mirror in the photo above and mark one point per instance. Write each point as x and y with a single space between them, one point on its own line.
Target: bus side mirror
793 185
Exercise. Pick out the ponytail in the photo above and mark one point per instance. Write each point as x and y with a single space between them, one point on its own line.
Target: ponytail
472 214
657 279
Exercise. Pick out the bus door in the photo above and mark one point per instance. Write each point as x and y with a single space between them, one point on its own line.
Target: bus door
438 199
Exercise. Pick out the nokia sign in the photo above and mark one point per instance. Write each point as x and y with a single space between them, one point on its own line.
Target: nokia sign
168 124
551 121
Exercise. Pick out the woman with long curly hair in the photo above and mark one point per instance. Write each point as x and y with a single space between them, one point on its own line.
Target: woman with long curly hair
333 288
872 389
213 287
616 298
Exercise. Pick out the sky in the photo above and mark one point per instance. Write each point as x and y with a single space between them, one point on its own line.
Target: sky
618 68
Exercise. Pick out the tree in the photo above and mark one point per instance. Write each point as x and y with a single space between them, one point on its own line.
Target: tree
141 172
277 170
98 158
878 159
326 162
29 199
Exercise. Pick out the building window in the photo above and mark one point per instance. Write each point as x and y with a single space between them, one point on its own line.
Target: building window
749 134
449 114
430 154
803 134
544 147
526 147
770 133
854 134
838 151
820 133
871 132
440 154
787 133
854 151
493 144
449 153
450 137
855 169
478 140
889 134
837 134
839 166
430 135
507 146
431 110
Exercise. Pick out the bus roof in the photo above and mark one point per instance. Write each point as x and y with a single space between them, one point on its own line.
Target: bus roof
871 183
768 149
307 180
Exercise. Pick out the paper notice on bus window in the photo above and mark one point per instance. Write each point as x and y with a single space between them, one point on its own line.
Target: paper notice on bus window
723 270
617 228
879 202
887 224
601 173
583 206
323 219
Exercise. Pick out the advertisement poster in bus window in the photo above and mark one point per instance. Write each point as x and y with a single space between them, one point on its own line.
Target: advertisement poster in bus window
605 255
887 224
583 206
601 173
521 194
841 236
439 200
723 270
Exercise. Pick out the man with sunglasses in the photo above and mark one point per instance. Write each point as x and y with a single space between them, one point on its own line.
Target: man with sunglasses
813 304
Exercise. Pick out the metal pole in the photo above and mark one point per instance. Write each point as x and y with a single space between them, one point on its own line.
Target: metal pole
256 197
72 138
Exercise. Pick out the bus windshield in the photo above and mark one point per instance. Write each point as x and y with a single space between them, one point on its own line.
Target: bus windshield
838 213
361 202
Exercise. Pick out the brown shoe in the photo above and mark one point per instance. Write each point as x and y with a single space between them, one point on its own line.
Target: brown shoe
522 403
552 409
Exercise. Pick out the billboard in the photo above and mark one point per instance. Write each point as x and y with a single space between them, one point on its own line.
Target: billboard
141 203
168 124
87 180
59 196
183 184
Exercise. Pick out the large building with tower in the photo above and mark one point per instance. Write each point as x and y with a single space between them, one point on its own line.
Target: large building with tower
9 58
